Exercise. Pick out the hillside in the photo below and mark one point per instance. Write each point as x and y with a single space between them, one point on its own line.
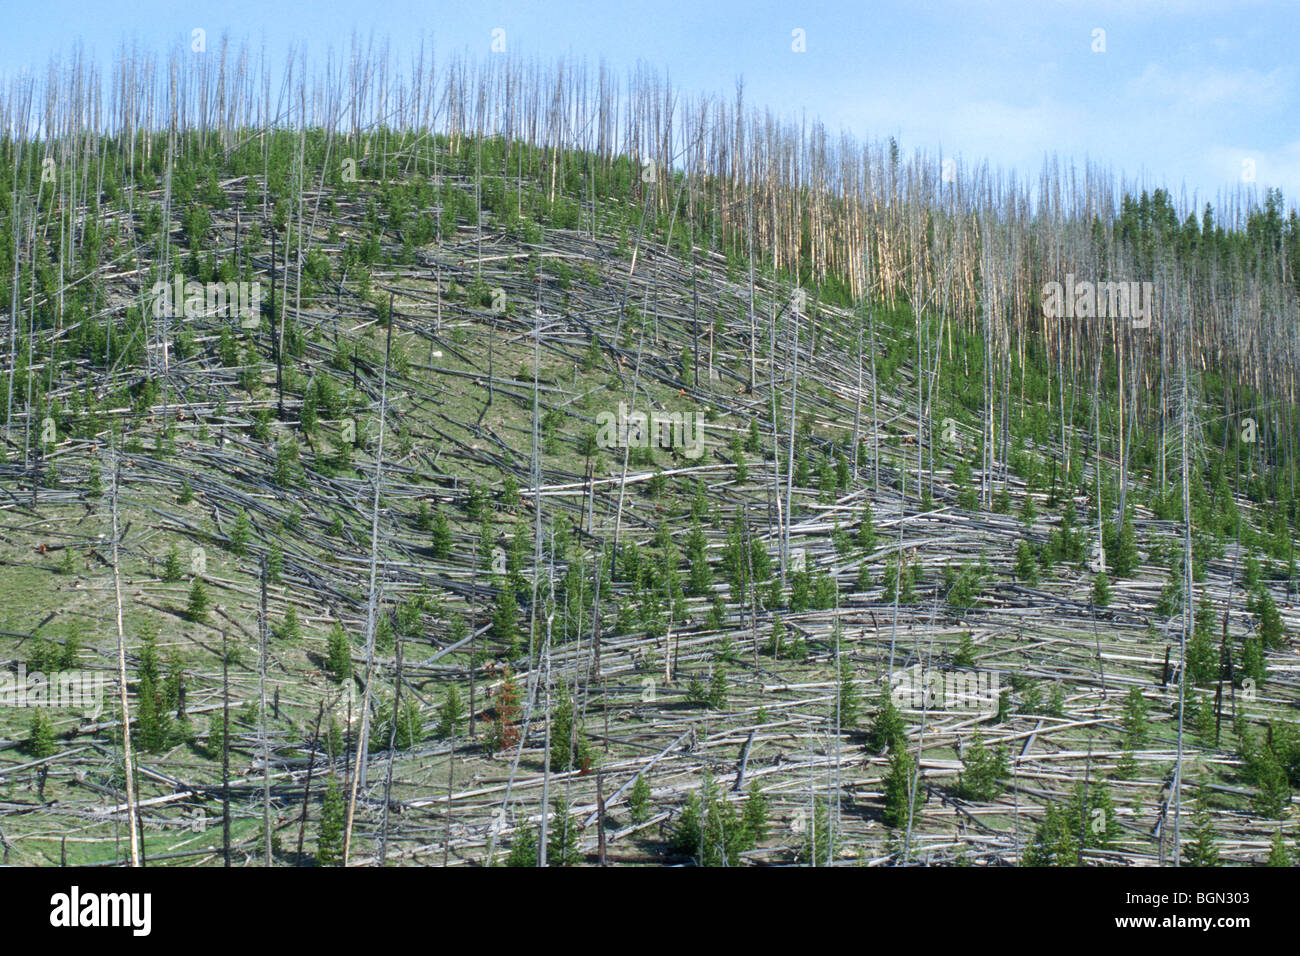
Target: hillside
395 493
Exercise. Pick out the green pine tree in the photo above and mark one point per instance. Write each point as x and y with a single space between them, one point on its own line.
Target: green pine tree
1279 853
440 535
1056 701
850 704
754 816
1253 663
40 737
505 623
172 570
1094 812
898 784
216 735
197 608
240 532
338 659
638 800
817 843
887 727
1271 630
523 850
1133 720
1124 557
717 693
1203 848
329 842
289 629
965 654
867 529
983 771
451 713
570 749
274 564
1101 590
1055 841
1026 567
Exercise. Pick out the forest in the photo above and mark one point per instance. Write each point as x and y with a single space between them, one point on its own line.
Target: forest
348 458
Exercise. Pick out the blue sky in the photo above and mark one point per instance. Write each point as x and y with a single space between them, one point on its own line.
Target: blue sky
1185 91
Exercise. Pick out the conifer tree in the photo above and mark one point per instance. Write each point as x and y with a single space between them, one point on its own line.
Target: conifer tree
274 564
898 784
717 694
152 724
71 649
562 840
505 704
1028 512
40 737
754 816
700 580
570 749
197 608
1252 660
776 639
1026 567
850 704
440 534
1279 853
887 727
505 623
172 570
1203 848
1126 767
1271 630
216 735
1094 812
741 473
289 628
638 800
1133 720
711 832
1267 771
817 842
983 771
965 654
240 532
1101 590
1055 841
799 591
338 660
1202 654
867 528
451 713
1056 701
1123 555
329 845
